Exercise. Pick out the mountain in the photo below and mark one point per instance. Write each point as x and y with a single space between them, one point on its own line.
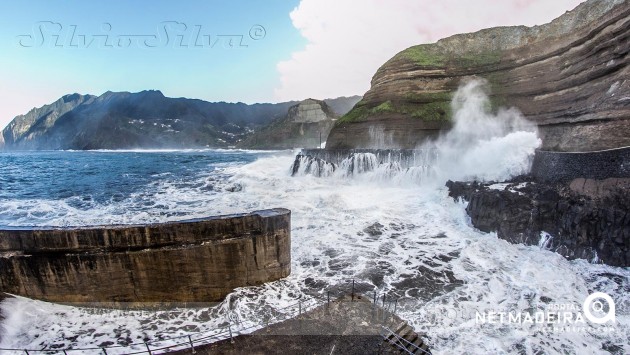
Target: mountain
147 119
569 76
306 125
341 105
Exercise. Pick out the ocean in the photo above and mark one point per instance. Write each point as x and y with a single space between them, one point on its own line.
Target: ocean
387 227
402 234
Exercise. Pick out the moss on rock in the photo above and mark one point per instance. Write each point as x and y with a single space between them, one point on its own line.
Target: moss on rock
425 55
428 111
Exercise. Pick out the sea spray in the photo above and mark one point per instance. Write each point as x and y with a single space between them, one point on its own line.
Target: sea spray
406 240
482 145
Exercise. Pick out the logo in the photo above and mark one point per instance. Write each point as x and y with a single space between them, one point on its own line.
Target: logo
598 309
593 303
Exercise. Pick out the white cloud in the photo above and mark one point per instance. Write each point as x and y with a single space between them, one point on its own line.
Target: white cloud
348 40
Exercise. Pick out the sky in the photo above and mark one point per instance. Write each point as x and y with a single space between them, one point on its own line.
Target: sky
237 51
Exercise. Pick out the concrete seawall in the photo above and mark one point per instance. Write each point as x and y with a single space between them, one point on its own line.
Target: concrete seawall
551 166
405 157
200 260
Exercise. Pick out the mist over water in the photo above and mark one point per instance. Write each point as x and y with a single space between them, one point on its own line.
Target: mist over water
385 225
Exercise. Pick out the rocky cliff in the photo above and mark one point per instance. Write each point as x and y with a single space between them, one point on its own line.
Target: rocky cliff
569 76
576 204
586 218
305 125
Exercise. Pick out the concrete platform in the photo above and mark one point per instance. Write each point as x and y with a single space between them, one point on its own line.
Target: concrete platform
345 326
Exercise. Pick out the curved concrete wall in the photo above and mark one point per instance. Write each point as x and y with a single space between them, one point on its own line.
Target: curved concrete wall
562 167
199 260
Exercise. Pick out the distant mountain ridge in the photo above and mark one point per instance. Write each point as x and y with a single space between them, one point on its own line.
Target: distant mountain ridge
306 125
143 120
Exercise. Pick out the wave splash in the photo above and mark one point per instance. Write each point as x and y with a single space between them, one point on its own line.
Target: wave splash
376 219
482 145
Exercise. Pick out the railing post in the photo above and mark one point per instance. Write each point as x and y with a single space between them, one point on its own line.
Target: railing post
148 349
230 329
192 347
384 311
300 308
374 297
328 298
395 305
353 289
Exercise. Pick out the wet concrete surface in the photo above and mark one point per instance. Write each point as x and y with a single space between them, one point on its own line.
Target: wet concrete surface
345 326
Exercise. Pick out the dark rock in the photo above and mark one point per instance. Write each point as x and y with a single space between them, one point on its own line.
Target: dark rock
593 227
564 167
374 229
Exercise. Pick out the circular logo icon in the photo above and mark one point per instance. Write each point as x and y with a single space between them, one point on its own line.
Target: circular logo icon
257 32
593 303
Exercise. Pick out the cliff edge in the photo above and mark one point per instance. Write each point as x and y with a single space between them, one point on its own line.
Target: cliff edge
568 76
306 125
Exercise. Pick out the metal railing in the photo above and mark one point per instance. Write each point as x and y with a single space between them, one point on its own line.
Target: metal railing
232 329
401 343
183 342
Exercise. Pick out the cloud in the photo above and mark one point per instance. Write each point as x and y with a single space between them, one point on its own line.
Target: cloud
349 40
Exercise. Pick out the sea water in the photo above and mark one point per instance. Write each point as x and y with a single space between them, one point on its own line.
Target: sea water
384 227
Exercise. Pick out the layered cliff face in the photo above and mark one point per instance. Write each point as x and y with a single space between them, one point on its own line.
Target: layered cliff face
306 125
569 76
148 119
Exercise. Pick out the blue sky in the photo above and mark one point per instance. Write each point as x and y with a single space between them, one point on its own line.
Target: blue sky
308 48
42 73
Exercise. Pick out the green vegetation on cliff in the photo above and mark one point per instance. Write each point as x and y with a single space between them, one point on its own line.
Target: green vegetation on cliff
425 55
433 55
428 106
560 75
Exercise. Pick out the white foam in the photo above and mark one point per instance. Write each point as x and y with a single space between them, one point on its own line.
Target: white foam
379 227
329 244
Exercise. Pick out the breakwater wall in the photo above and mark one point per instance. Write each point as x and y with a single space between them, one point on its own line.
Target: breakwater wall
199 260
323 162
549 166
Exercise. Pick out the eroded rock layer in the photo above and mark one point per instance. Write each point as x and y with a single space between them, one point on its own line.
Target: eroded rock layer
198 260
569 76
584 218
306 124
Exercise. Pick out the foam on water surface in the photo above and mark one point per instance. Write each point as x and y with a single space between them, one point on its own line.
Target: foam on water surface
409 240
389 227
